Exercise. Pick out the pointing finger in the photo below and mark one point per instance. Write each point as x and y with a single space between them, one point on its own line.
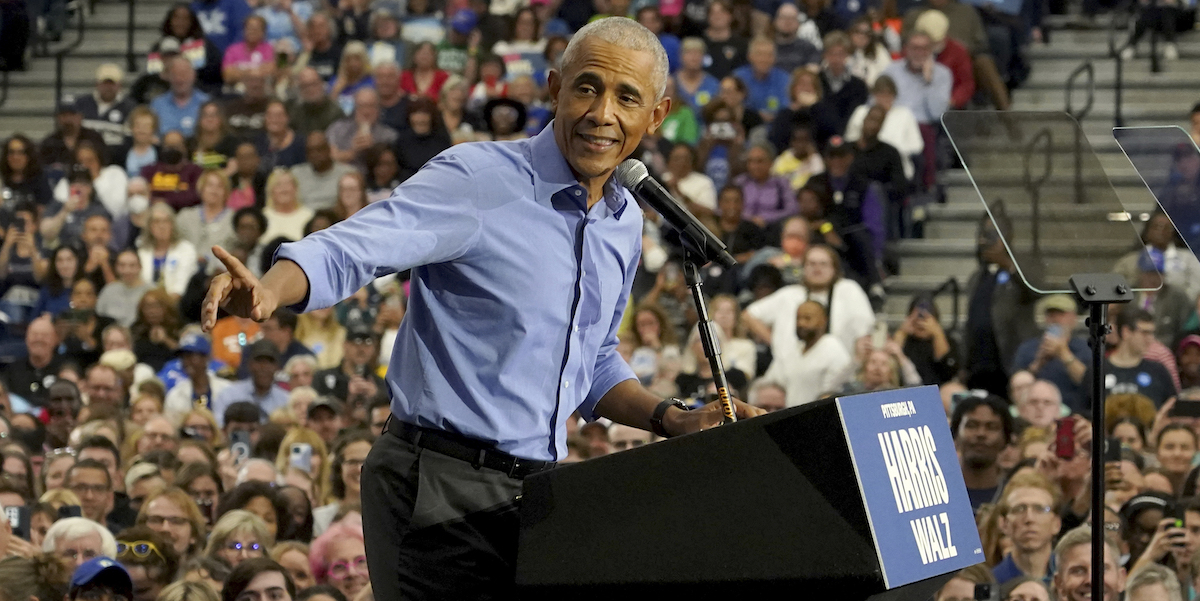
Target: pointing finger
218 291
233 265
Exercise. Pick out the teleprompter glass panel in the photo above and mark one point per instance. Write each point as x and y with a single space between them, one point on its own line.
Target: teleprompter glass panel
1050 201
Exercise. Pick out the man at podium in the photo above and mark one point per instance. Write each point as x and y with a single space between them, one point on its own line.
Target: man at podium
523 255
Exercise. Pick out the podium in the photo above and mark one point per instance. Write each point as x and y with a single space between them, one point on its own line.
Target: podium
858 497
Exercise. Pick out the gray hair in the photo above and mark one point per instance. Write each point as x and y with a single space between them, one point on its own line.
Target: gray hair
1151 575
626 33
1081 535
387 65
244 473
299 360
68 529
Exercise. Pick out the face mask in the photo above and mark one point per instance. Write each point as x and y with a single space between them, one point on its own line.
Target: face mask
138 203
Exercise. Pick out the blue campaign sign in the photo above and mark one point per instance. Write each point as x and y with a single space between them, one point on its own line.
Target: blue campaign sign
908 473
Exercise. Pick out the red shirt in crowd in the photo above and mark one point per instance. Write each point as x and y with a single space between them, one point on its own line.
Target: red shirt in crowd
958 60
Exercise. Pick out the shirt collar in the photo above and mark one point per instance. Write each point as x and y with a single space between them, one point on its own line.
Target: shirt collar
552 174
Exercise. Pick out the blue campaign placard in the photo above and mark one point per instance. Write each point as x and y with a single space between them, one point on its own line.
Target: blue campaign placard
908 472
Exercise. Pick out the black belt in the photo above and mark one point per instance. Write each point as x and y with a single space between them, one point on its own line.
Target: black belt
476 452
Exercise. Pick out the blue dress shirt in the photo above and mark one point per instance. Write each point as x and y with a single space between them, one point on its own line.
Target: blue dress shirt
517 291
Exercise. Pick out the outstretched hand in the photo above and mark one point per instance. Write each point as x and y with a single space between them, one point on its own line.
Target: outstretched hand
237 291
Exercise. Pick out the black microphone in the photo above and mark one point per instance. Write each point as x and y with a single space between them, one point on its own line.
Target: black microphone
696 238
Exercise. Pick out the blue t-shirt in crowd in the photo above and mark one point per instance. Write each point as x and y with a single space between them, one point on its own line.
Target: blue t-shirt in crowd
673 46
222 20
709 87
768 94
172 116
279 21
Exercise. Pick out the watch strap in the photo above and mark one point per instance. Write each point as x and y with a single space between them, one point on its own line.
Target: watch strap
656 424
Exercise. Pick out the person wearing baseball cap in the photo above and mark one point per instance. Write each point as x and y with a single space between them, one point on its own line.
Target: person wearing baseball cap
260 387
455 50
105 110
355 381
1188 358
58 149
200 384
1058 355
100 578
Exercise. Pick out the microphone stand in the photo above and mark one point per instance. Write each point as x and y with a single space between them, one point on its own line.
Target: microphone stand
708 337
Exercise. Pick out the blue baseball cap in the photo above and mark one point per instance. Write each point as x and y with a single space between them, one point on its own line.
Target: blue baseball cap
195 342
464 21
105 572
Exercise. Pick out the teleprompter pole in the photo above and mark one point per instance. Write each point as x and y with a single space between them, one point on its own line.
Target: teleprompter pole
1097 291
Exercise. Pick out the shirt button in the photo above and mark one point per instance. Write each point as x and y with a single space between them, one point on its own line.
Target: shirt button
566 384
576 329
578 192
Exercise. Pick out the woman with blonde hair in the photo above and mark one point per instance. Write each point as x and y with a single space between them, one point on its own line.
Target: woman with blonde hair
188 590
320 331
286 214
452 101
59 497
211 221
202 423
239 535
353 74
319 469
168 261
54 469
293 556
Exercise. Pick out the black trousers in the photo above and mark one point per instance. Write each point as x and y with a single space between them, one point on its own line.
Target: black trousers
436 527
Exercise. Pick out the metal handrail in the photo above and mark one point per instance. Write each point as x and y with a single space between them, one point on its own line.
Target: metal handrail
1114 52
1033 186
950 284
130 58
61 54
1086 68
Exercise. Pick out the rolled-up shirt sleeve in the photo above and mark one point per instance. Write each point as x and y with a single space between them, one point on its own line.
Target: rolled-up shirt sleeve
432 218
611 368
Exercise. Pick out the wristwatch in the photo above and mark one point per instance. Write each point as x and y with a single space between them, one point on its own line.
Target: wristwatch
656 424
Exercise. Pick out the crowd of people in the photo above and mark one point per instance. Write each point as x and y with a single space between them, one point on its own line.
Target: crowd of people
146 456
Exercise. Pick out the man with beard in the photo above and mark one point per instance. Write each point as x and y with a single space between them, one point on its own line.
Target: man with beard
33 375
62 408
878 161
1031 523
57 150
982 428
1073 556
312 109
818 364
